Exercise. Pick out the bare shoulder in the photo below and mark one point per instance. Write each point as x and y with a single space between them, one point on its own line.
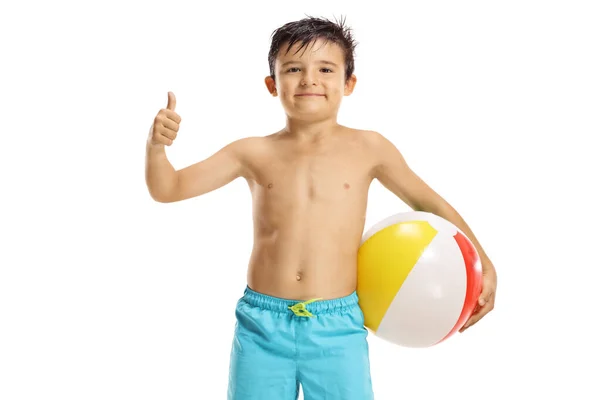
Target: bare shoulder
246 145
374 140
247 148
250 151
375 145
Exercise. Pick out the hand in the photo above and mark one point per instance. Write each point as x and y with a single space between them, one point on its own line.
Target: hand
486 299
166 124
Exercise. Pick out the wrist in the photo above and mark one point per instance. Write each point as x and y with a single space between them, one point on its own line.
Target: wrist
151 146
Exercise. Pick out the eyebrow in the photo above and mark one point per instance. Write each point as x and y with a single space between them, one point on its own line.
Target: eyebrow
318 61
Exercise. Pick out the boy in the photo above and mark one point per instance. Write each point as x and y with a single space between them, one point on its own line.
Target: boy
298 321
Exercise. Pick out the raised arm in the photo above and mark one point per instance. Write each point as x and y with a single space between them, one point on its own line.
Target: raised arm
212 173
165 184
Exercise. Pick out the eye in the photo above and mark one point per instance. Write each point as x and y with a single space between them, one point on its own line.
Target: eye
326 70
293 68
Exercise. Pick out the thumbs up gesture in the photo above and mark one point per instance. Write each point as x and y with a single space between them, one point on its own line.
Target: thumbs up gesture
166 124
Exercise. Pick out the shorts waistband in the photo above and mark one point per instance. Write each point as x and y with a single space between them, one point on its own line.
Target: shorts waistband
316 306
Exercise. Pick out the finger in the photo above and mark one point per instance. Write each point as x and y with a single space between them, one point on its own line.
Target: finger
162 139
171 102
169 124
468 323
168 133
172 115
477 316
485 297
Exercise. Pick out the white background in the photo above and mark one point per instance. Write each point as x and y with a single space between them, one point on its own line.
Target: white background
105 294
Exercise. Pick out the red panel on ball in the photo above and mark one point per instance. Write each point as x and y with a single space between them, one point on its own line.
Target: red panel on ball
473 269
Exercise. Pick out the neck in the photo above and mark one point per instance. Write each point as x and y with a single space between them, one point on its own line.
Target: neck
310 130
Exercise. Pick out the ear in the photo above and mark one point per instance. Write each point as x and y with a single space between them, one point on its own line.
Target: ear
349 86
271 87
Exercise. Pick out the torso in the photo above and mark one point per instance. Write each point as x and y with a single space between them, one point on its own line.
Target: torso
309 206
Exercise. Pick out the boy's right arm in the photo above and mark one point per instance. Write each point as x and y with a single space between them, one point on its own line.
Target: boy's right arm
165 184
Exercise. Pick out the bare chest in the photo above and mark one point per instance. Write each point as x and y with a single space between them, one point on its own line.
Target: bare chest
326 177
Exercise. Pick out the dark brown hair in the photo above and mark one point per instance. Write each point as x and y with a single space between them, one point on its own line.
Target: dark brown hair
308 30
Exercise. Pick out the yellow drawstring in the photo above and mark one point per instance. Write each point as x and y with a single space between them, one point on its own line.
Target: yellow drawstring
300 308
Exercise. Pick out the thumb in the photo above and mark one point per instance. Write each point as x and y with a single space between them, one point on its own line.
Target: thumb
172 102
484 297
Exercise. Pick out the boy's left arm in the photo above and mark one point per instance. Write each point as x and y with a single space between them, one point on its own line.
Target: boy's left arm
394 174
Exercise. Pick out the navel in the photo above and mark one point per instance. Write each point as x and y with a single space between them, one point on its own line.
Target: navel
299 276
270 185
346 185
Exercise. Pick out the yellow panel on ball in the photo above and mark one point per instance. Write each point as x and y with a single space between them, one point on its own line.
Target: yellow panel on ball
384 261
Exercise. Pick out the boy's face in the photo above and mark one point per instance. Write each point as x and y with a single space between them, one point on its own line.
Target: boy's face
311 82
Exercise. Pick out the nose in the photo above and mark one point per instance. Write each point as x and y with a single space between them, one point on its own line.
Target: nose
308 79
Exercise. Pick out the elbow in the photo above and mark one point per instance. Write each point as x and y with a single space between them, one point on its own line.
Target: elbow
165 197
158 197
161 192
161 196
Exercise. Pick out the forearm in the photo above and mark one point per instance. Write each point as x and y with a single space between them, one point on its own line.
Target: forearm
161 177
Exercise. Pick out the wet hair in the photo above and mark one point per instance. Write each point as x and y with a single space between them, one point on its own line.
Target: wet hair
308 30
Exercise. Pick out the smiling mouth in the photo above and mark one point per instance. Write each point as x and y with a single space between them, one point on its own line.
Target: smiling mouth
310 95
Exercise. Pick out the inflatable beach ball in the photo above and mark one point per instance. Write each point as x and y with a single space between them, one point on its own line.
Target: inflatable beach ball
419 279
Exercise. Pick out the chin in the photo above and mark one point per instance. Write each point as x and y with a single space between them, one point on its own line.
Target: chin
310 115
308 110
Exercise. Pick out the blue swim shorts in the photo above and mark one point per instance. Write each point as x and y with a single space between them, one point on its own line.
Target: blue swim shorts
280 345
